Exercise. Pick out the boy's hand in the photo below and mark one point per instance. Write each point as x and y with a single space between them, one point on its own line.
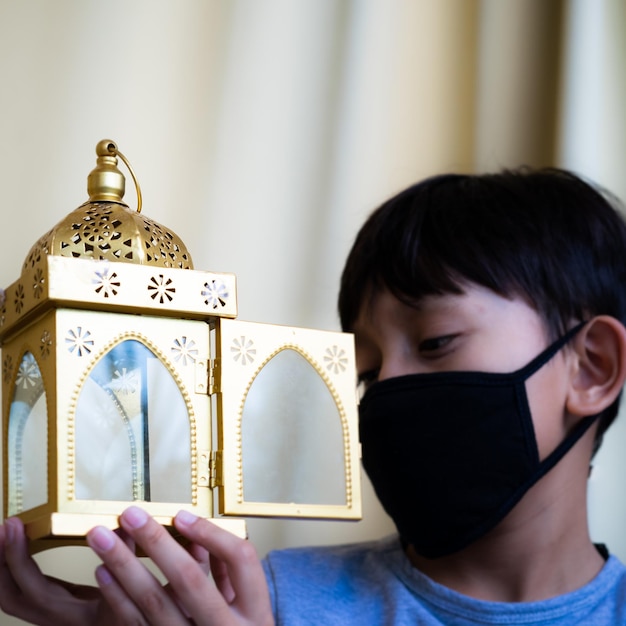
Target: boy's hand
29 595
129 592
237 594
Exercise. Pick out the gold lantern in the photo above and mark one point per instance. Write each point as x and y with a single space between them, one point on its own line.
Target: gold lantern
126 378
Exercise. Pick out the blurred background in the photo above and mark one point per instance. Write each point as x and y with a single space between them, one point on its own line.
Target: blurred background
264 131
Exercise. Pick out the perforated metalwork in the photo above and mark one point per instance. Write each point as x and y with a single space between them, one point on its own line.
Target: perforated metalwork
111 231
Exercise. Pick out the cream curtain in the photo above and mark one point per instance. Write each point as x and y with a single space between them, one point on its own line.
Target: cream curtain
592 140
264 131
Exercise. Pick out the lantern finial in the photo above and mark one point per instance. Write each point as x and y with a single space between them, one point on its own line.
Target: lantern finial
106 182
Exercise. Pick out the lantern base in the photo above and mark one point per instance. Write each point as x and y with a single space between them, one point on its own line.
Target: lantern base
70 529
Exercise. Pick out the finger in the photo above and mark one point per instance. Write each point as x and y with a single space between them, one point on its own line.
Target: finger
9 591
219 571
244 569
26 593
139 585
201 556
7 584
82 592
24 571
193 589
117 599
126 538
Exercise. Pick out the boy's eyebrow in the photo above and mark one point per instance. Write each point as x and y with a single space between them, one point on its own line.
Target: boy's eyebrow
439 300
439 303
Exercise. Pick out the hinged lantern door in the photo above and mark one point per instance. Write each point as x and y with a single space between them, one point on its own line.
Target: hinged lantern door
139 417
287 422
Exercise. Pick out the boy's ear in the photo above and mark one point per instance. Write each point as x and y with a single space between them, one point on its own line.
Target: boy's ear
600 349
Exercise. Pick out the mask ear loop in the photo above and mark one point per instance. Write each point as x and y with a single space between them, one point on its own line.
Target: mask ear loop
538 362
583 425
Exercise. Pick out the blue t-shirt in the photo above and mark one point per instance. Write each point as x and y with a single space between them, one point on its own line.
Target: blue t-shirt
374 583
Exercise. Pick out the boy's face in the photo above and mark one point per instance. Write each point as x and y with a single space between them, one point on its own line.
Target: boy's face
478 330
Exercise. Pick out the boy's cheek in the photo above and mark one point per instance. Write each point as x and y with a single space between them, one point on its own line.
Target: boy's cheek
547 393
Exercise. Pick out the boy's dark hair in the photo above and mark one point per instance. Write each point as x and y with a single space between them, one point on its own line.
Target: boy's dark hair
545 235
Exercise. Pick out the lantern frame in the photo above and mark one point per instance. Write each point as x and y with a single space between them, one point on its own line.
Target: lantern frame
69 311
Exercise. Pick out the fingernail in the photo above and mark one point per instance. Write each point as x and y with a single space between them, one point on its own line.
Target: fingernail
101 538
103 576
9 530
186 518
135 517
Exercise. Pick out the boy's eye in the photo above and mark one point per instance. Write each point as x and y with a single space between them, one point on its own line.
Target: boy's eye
365 380
434 344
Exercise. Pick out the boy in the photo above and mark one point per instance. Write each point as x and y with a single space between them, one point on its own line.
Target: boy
489 315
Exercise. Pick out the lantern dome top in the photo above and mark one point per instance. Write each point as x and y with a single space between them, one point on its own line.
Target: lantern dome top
105 228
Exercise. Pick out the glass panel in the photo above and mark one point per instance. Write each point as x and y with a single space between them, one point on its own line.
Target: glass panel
284 457
132 430
28 439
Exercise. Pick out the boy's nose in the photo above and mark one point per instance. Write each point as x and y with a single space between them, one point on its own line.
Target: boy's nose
399 366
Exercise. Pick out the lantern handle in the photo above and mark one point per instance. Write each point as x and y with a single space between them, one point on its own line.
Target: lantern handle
112 148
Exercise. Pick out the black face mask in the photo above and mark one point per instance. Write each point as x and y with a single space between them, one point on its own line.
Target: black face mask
450 454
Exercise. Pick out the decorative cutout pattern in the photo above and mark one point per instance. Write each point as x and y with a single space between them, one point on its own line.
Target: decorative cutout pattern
162 247
18 301
243 350
39 281
215 294
184 350
160 288
110 231
106 282
335 359
98 235
79 341
46 344
7 368
41 248
28 374
124 382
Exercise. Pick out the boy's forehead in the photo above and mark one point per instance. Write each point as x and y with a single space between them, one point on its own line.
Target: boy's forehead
379 306
382 303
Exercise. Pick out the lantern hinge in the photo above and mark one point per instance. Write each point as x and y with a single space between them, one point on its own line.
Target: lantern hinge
210 469
207 378
213 377
215 470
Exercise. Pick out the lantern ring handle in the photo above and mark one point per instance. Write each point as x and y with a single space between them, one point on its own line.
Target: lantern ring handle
114 150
